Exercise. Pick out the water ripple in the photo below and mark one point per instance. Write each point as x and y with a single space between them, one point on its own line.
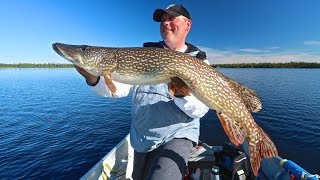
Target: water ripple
53 126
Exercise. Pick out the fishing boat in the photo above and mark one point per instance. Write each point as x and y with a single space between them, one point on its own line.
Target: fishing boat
205 163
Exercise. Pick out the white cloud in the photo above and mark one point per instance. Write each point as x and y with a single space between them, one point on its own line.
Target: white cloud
228 57
274 47
248 50
312 43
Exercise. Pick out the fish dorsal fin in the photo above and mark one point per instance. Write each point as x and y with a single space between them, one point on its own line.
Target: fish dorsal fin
249 97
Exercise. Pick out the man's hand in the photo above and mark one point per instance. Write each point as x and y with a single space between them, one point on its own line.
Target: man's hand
89 77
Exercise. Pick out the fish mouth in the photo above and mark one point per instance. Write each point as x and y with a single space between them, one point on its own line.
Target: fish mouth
69 53
59 48
65 50
55 47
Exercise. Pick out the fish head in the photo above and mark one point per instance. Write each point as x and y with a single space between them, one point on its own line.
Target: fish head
93 59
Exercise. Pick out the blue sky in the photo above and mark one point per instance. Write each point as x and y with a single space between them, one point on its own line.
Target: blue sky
230 31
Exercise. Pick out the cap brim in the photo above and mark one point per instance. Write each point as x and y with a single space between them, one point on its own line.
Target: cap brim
158 13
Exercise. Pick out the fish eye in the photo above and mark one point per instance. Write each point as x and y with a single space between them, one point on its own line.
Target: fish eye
83 48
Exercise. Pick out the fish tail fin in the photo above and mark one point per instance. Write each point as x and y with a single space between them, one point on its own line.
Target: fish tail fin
265 148
255 157
268 149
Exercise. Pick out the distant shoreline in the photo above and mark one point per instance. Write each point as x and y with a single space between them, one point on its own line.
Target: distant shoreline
270 65
32 65
241 65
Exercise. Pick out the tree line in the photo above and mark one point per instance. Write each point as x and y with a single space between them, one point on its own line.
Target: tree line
31 65
270 65
241 65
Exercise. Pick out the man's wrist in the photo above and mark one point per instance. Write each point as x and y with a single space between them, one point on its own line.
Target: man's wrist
92 81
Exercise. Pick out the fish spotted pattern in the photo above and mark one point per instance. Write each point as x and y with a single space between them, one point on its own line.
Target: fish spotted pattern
232 101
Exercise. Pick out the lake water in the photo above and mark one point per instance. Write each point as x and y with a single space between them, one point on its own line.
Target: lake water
53 126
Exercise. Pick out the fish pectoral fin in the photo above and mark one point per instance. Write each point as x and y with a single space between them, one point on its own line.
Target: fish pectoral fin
233 129
178 87
172 89
110 84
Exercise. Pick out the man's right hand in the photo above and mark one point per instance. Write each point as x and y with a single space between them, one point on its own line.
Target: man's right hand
92 79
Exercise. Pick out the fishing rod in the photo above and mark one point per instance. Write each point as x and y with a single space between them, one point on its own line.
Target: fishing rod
296 170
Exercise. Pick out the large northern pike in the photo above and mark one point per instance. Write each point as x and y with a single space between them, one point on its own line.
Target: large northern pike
137 66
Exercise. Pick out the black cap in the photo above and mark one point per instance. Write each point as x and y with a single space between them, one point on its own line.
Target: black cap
172 10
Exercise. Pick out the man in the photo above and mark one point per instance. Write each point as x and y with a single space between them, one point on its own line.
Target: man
163 130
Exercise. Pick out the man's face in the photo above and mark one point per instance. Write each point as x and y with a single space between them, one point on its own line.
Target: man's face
173 29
